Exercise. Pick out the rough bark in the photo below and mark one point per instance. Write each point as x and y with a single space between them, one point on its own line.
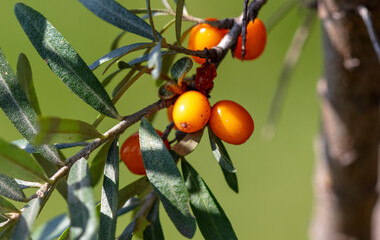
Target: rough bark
348 148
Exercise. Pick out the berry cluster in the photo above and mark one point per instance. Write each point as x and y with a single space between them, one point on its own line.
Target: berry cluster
192 111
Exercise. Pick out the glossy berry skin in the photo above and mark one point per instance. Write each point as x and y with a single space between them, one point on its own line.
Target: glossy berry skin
205 36
191 111
204 79
255 42
231 122
130 153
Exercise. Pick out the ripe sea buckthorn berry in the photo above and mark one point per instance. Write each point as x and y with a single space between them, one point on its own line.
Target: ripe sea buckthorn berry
231 122
256 39
204 79
130 153
191 111
205 36
170 114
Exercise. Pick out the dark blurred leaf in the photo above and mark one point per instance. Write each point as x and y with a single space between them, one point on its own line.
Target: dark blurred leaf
291 59
7 207
178 19
16 163
167 61
63 60
280 14
231 179
7 230
181 67
166 179
58 130
127 234
52 229
115 42
110 77
50 169
211 219
154 230
130 205
155 61
84 220
108 211
9 188
24 77
26 220
188 144
97 164
115 14
119 52
220 152
18 109
132 189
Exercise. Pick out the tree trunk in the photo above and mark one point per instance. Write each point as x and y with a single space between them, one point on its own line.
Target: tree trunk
348 148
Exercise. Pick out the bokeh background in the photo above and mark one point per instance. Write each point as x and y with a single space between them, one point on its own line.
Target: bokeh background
275 176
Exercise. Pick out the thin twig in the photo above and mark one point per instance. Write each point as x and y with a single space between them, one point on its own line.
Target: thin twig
364 14
244 28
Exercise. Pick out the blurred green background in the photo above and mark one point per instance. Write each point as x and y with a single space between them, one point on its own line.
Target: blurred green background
275 177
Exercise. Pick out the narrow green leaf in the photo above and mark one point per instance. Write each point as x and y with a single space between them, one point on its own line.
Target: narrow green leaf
220 152
10 189
7 207
97 164
154 230
26 146
65 234
133 189
25 222
115 42
16 163
231 179
211 219
166 179
52 229
54 130
181 67
24 77
115 14
108 210
50 169
188 144
84 220
155 61
130 205
19 111
63 60
178 19
119 52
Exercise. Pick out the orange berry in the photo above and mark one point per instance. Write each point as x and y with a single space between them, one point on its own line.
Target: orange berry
256 39
130 153
170 114
205 36
231 122
191 111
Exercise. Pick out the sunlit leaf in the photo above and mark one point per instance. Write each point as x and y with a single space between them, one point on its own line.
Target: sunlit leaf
63 60
155 61
9 188
115 14
211 219
16 163
154 230
188 144
119 52
109 199
54 129
26 220
131 204
220 152
166 179
18 109
84 220
24 77
97 164
52 229
26 146
178 19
